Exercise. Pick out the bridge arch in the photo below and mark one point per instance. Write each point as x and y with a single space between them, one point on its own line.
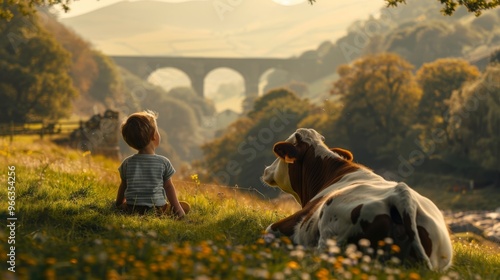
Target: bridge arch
274 77
198 67
169 77
225 87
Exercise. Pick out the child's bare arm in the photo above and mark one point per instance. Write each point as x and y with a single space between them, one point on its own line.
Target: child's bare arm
120 197
172 198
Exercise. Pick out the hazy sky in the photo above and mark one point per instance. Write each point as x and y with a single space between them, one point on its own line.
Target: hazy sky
79 7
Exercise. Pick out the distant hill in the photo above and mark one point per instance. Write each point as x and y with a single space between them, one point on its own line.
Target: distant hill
251 28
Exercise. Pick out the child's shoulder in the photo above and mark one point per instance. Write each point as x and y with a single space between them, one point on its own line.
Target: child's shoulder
126 159
147 158
162 158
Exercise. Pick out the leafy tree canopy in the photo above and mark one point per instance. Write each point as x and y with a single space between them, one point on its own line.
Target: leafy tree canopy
262 102
27 7
34 79
438 80
380 96
474 120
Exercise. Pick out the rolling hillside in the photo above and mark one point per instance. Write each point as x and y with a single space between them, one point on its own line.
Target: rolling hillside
257 28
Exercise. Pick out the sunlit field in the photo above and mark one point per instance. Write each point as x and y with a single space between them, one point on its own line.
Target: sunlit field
67 228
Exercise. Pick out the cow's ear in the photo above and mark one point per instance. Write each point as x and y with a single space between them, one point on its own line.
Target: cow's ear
287 151
298 137
343 153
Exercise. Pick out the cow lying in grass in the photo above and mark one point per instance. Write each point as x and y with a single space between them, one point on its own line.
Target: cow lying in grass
345 201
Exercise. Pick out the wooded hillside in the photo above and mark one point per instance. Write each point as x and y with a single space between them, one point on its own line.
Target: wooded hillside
49 72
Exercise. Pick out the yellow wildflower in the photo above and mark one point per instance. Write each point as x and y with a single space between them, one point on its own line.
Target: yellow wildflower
286 240
50 274
50 261
322 273
395 248
355 271
293 265
414 276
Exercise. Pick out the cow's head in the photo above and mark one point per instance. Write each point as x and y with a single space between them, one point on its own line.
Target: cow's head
304 147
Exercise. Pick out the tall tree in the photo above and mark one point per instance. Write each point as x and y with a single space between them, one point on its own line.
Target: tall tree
474 121
34 78
380 96
438 80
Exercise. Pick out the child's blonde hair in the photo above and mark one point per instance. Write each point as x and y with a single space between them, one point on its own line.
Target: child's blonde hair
139 128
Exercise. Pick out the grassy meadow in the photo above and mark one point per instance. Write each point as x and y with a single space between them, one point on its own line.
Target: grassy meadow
67 228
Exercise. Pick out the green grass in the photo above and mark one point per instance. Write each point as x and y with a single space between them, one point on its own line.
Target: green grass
67 228
473 253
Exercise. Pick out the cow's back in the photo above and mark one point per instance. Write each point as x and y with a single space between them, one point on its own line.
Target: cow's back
375 209
430 218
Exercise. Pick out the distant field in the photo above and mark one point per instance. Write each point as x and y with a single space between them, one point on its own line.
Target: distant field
67 228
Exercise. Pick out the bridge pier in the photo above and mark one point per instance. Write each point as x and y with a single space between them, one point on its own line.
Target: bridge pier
252 86
198 84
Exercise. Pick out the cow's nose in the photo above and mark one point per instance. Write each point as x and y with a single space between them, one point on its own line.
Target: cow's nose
267 170
268 177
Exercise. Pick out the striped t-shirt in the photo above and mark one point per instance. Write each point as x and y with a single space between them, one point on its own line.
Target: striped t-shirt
144 175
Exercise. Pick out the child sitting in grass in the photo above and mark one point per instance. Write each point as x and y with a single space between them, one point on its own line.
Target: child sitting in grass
146 177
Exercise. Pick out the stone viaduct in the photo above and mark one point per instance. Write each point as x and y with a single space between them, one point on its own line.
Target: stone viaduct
196 68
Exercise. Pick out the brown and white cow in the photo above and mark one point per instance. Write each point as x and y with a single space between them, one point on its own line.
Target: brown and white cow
347 202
